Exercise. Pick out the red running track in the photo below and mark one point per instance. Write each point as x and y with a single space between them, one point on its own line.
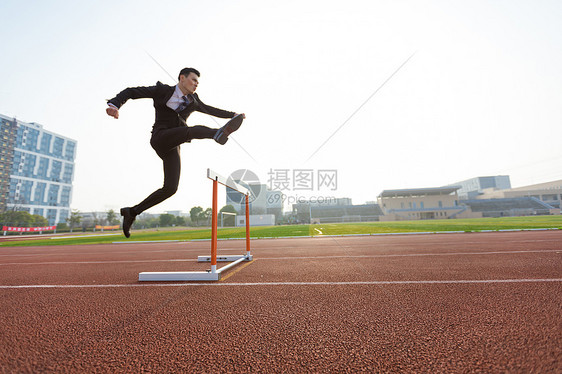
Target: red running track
488 302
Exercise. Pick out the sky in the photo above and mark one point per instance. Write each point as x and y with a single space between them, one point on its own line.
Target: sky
388 94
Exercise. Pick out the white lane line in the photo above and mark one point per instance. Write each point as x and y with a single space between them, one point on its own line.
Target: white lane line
412 255
148 241
223 284
290 257
97 262
82 236
182 250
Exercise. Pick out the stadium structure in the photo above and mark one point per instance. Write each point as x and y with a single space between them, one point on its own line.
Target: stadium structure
487 196
422 203
481 197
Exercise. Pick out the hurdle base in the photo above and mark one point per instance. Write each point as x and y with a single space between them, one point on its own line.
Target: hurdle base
171 276
177 276
225 258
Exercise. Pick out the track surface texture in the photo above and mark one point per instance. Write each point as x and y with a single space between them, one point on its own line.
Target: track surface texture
475 302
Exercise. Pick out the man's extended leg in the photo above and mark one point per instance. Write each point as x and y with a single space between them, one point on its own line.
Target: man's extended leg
165 140
169 138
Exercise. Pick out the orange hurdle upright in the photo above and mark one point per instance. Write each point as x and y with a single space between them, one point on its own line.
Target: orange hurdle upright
247 225
214 228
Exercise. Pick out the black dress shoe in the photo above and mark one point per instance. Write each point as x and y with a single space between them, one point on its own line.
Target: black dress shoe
222 134
128 219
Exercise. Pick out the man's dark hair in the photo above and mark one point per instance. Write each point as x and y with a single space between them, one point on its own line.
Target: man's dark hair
186 71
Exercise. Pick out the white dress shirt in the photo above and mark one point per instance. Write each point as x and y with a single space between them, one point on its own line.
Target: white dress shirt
176 99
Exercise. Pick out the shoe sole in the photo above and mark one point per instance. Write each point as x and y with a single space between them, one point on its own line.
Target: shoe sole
233 125
222 139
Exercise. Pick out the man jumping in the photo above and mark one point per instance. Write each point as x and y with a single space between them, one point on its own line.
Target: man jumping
172 104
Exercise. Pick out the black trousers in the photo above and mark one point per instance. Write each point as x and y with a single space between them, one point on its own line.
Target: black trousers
166 143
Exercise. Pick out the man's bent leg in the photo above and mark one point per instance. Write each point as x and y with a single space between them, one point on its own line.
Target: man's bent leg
172 168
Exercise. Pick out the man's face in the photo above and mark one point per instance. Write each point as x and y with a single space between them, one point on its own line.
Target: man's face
189 84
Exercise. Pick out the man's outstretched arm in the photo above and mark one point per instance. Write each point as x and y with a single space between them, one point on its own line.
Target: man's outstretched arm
128 93
204 108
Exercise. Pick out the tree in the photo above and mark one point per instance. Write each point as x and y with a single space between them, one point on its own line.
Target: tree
167 220
145 221
61 226
112 218
180 221
229 220
22 219
74 219
194 214
38 221
205 216
98 220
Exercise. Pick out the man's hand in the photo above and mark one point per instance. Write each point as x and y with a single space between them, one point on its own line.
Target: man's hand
243 115
112 111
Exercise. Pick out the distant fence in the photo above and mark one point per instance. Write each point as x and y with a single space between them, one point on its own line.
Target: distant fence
8 229
100 227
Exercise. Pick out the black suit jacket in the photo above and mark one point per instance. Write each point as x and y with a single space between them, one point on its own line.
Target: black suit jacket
167 118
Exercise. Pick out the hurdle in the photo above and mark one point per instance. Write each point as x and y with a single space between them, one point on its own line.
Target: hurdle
213 274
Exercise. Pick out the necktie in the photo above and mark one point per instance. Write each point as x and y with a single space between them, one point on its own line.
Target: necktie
184 103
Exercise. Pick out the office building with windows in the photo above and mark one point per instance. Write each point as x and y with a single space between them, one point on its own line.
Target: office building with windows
37 169
474 187
8 131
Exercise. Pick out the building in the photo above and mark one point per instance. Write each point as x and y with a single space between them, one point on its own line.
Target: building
262 200
8 132
274 204
488 201
471 188
510 207
549 193
178 213
40 164
423 203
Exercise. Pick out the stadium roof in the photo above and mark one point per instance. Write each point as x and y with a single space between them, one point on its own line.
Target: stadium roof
420 191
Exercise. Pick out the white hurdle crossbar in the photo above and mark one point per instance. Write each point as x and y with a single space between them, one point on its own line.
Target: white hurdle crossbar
214 274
